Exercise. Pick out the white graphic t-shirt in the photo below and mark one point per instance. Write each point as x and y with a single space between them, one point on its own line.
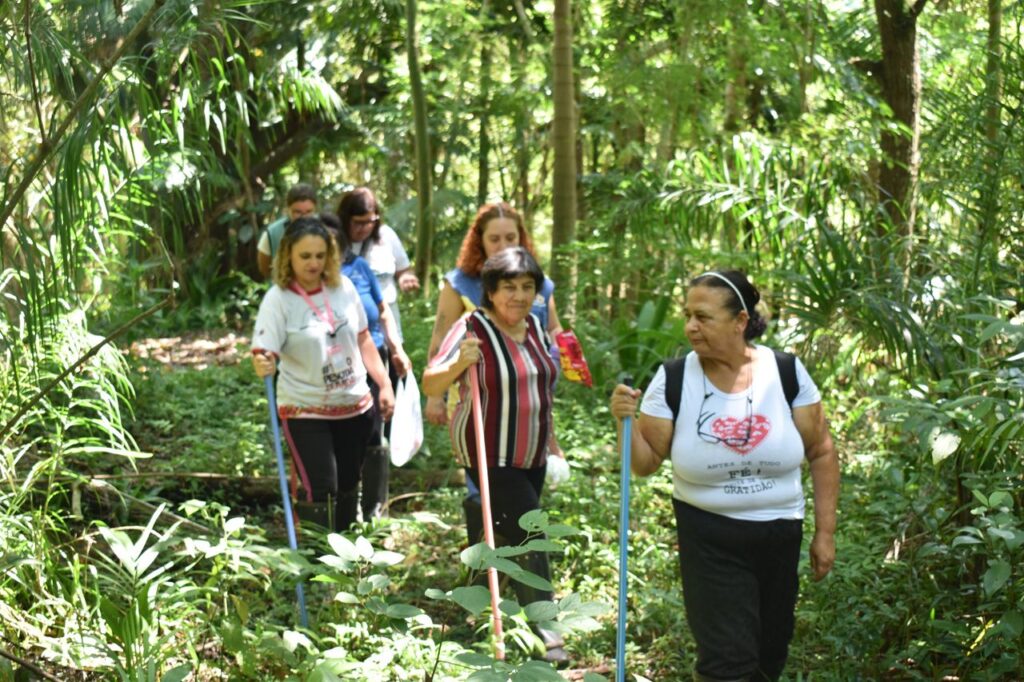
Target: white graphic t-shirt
321 368
736 454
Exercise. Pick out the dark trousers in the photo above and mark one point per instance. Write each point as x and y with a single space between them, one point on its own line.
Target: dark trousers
377 463
328 453
739 585
513 493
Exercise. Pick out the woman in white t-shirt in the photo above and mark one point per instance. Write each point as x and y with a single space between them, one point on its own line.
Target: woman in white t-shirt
312 327
379 245
737 447
381 248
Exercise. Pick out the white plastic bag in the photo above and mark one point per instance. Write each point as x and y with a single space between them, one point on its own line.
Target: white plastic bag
558 471
407 421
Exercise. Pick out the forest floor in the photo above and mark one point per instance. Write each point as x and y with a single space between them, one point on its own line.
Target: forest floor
200 410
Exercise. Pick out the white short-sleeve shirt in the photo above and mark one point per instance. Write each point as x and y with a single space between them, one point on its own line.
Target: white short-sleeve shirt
749 473
386 257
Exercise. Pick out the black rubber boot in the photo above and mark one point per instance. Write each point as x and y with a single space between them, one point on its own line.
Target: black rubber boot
346 510
537 563
376 472
474 520
320 514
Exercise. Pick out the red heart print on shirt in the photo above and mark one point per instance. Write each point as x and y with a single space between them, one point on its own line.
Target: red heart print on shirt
732 430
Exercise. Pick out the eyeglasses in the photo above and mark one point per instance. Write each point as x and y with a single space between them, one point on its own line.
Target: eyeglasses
704 417
363 222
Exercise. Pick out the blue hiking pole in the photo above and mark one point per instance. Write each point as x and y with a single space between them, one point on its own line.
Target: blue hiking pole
286 498
627 444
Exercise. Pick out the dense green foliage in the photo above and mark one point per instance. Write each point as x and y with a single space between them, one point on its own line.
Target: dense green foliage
143 145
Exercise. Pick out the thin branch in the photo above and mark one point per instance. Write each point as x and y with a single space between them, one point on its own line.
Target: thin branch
32 70
9 426
46 148
25 663
524 20
916 9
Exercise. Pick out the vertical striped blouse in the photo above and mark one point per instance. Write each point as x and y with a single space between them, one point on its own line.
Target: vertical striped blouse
517 383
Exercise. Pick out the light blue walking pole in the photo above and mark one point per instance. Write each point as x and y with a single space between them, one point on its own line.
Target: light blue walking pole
286 498
627 444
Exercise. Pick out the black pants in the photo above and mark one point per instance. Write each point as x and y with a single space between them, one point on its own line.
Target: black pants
328 453
739 585
513 493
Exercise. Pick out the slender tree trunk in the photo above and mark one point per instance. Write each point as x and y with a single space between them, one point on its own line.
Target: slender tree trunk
424 222
564 143
806 67
901 89
994 70
483 107
995 152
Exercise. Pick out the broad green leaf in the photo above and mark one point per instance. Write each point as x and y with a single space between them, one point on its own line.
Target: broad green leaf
996 576
293 639
474 555
434 593
534 521
513 550
1012 623
403 611
1000 498
177 674
537 670
487 675
542 545
346 598
233 524
343 547
509 607
533 580
473 659
540 611
364 548
474 599
503 565
385 558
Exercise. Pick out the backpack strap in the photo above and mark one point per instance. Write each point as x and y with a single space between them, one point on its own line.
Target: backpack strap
786 363
674 369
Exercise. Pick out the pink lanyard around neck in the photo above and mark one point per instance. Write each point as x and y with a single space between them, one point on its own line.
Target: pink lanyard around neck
327 317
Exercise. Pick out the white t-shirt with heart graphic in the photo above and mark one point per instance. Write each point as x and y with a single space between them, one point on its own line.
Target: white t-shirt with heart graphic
723 465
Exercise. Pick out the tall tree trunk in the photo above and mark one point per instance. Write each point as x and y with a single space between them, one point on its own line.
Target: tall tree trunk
564 143
901 89
994 70
483 107
424 222
995 152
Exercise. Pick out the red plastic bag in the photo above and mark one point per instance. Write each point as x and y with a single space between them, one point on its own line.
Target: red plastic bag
574 365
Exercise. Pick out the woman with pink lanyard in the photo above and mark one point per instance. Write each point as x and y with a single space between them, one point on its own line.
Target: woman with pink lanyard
312 328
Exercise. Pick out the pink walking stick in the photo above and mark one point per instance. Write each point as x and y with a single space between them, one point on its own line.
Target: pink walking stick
485 503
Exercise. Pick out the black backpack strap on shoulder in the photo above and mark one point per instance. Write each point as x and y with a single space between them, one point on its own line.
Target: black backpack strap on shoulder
787 372
674 369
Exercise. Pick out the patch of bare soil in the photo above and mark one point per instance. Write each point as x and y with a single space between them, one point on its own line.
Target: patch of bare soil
195 351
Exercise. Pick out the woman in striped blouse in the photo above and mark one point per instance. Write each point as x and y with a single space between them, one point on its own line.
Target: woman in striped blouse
517 379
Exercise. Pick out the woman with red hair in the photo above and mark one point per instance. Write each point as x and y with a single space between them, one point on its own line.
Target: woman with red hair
497 226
